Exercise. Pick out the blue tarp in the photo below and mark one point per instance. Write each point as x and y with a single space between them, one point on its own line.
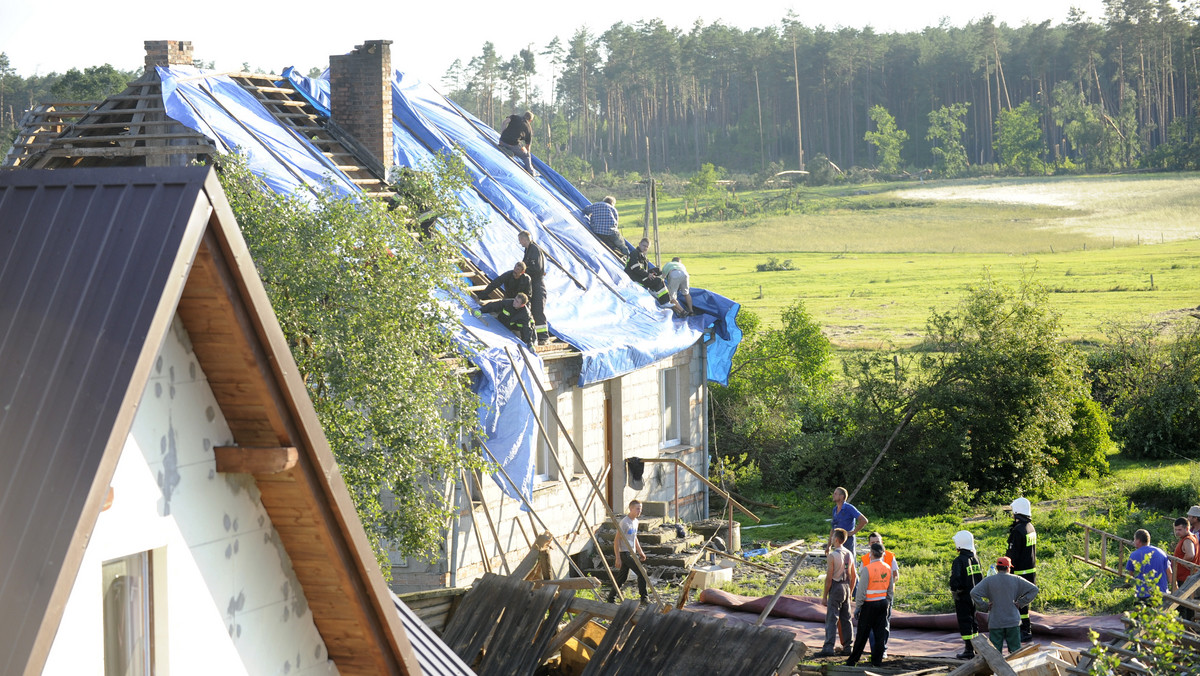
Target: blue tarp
591 304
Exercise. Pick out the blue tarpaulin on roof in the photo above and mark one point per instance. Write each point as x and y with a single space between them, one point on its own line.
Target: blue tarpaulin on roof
591 304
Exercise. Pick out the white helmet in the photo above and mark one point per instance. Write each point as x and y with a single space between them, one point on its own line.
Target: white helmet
964 540
1021 506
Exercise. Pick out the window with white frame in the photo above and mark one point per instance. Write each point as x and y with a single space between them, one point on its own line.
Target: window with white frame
668 388
543 463
128 616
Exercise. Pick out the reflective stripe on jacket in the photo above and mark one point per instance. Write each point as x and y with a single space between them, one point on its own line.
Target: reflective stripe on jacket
879 578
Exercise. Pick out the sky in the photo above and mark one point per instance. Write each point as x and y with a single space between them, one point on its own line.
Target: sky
427 35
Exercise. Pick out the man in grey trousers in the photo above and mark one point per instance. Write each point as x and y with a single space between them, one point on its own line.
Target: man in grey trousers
840 578
1003 595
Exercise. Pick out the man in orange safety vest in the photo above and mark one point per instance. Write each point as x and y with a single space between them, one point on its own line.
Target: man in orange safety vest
876 587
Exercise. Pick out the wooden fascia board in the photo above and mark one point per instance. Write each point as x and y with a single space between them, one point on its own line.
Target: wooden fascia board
308 436
156 334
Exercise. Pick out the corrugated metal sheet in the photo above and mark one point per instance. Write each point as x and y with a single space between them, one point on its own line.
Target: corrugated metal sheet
436 658
90 261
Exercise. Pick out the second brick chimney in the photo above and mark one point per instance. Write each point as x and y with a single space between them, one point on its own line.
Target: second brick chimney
360 96
168 53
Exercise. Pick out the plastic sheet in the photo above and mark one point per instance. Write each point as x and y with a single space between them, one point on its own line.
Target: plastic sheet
591 304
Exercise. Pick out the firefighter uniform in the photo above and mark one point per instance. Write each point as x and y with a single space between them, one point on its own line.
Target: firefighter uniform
518 319
965 573
640 271
1022 549
535 267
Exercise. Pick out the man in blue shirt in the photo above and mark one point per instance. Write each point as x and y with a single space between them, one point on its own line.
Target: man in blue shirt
1149 565
602 221
846 517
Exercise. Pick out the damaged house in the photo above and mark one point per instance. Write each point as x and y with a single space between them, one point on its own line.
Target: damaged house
624 378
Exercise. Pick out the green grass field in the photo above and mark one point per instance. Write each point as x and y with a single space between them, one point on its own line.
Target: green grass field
871 261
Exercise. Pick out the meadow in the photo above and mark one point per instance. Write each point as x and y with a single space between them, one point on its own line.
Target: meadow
871 261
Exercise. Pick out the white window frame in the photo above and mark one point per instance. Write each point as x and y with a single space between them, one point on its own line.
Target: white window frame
139 610
543 465
670 411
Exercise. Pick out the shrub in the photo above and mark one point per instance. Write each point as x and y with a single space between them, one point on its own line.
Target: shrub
775 265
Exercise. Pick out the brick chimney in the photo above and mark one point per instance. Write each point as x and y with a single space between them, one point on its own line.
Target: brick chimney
168 53
360 96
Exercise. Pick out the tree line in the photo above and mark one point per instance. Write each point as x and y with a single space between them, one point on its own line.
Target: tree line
1101 94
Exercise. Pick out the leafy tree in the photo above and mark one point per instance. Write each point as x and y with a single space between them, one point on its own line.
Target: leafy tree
360 298
995 404
887 138
1085 126
1019 139
946 130
1162 644
702 186
1151 379
90 84
778 392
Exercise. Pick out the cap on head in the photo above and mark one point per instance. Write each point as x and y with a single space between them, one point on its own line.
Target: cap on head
1004 562
964 540
1194 511
1021 506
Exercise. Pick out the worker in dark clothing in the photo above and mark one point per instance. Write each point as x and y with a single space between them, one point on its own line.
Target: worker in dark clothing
535 267
516 138
965 573
1022 549
641 271
514 314
512 282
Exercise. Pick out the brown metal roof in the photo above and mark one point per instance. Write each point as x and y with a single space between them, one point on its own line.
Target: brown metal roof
94 263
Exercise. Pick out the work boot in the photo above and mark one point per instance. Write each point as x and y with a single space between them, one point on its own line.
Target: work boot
967 654
1026 638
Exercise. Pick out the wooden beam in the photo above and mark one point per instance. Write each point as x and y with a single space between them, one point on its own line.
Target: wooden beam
992 656
570 583
117 151
560 639
530 561
250 460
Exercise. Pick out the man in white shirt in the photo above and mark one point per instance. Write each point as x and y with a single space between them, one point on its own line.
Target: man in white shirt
624 556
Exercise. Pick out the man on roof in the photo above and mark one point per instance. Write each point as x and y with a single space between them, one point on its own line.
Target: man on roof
511 282
676 277
516 138
514 314
535 267
602 221
641 271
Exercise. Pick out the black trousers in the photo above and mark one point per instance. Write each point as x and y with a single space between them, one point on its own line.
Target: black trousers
1026 624
964 611
537 305
872 617
622 574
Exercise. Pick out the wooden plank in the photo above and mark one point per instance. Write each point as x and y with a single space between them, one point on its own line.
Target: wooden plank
620 623
138 151
570 583
992 656
560 639
245 460
685 590
783 548
68 140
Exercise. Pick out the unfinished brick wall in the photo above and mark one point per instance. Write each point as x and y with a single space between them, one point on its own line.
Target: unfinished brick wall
168 53
360 96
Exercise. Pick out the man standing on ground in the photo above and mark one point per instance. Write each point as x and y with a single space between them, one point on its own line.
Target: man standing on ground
513 282
1149 565
846 517
535 267
514 314
1022 549
1188 549
874 593
517 138
678 287
965 573
890 559
1006 593
624 555
840 578
602 221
